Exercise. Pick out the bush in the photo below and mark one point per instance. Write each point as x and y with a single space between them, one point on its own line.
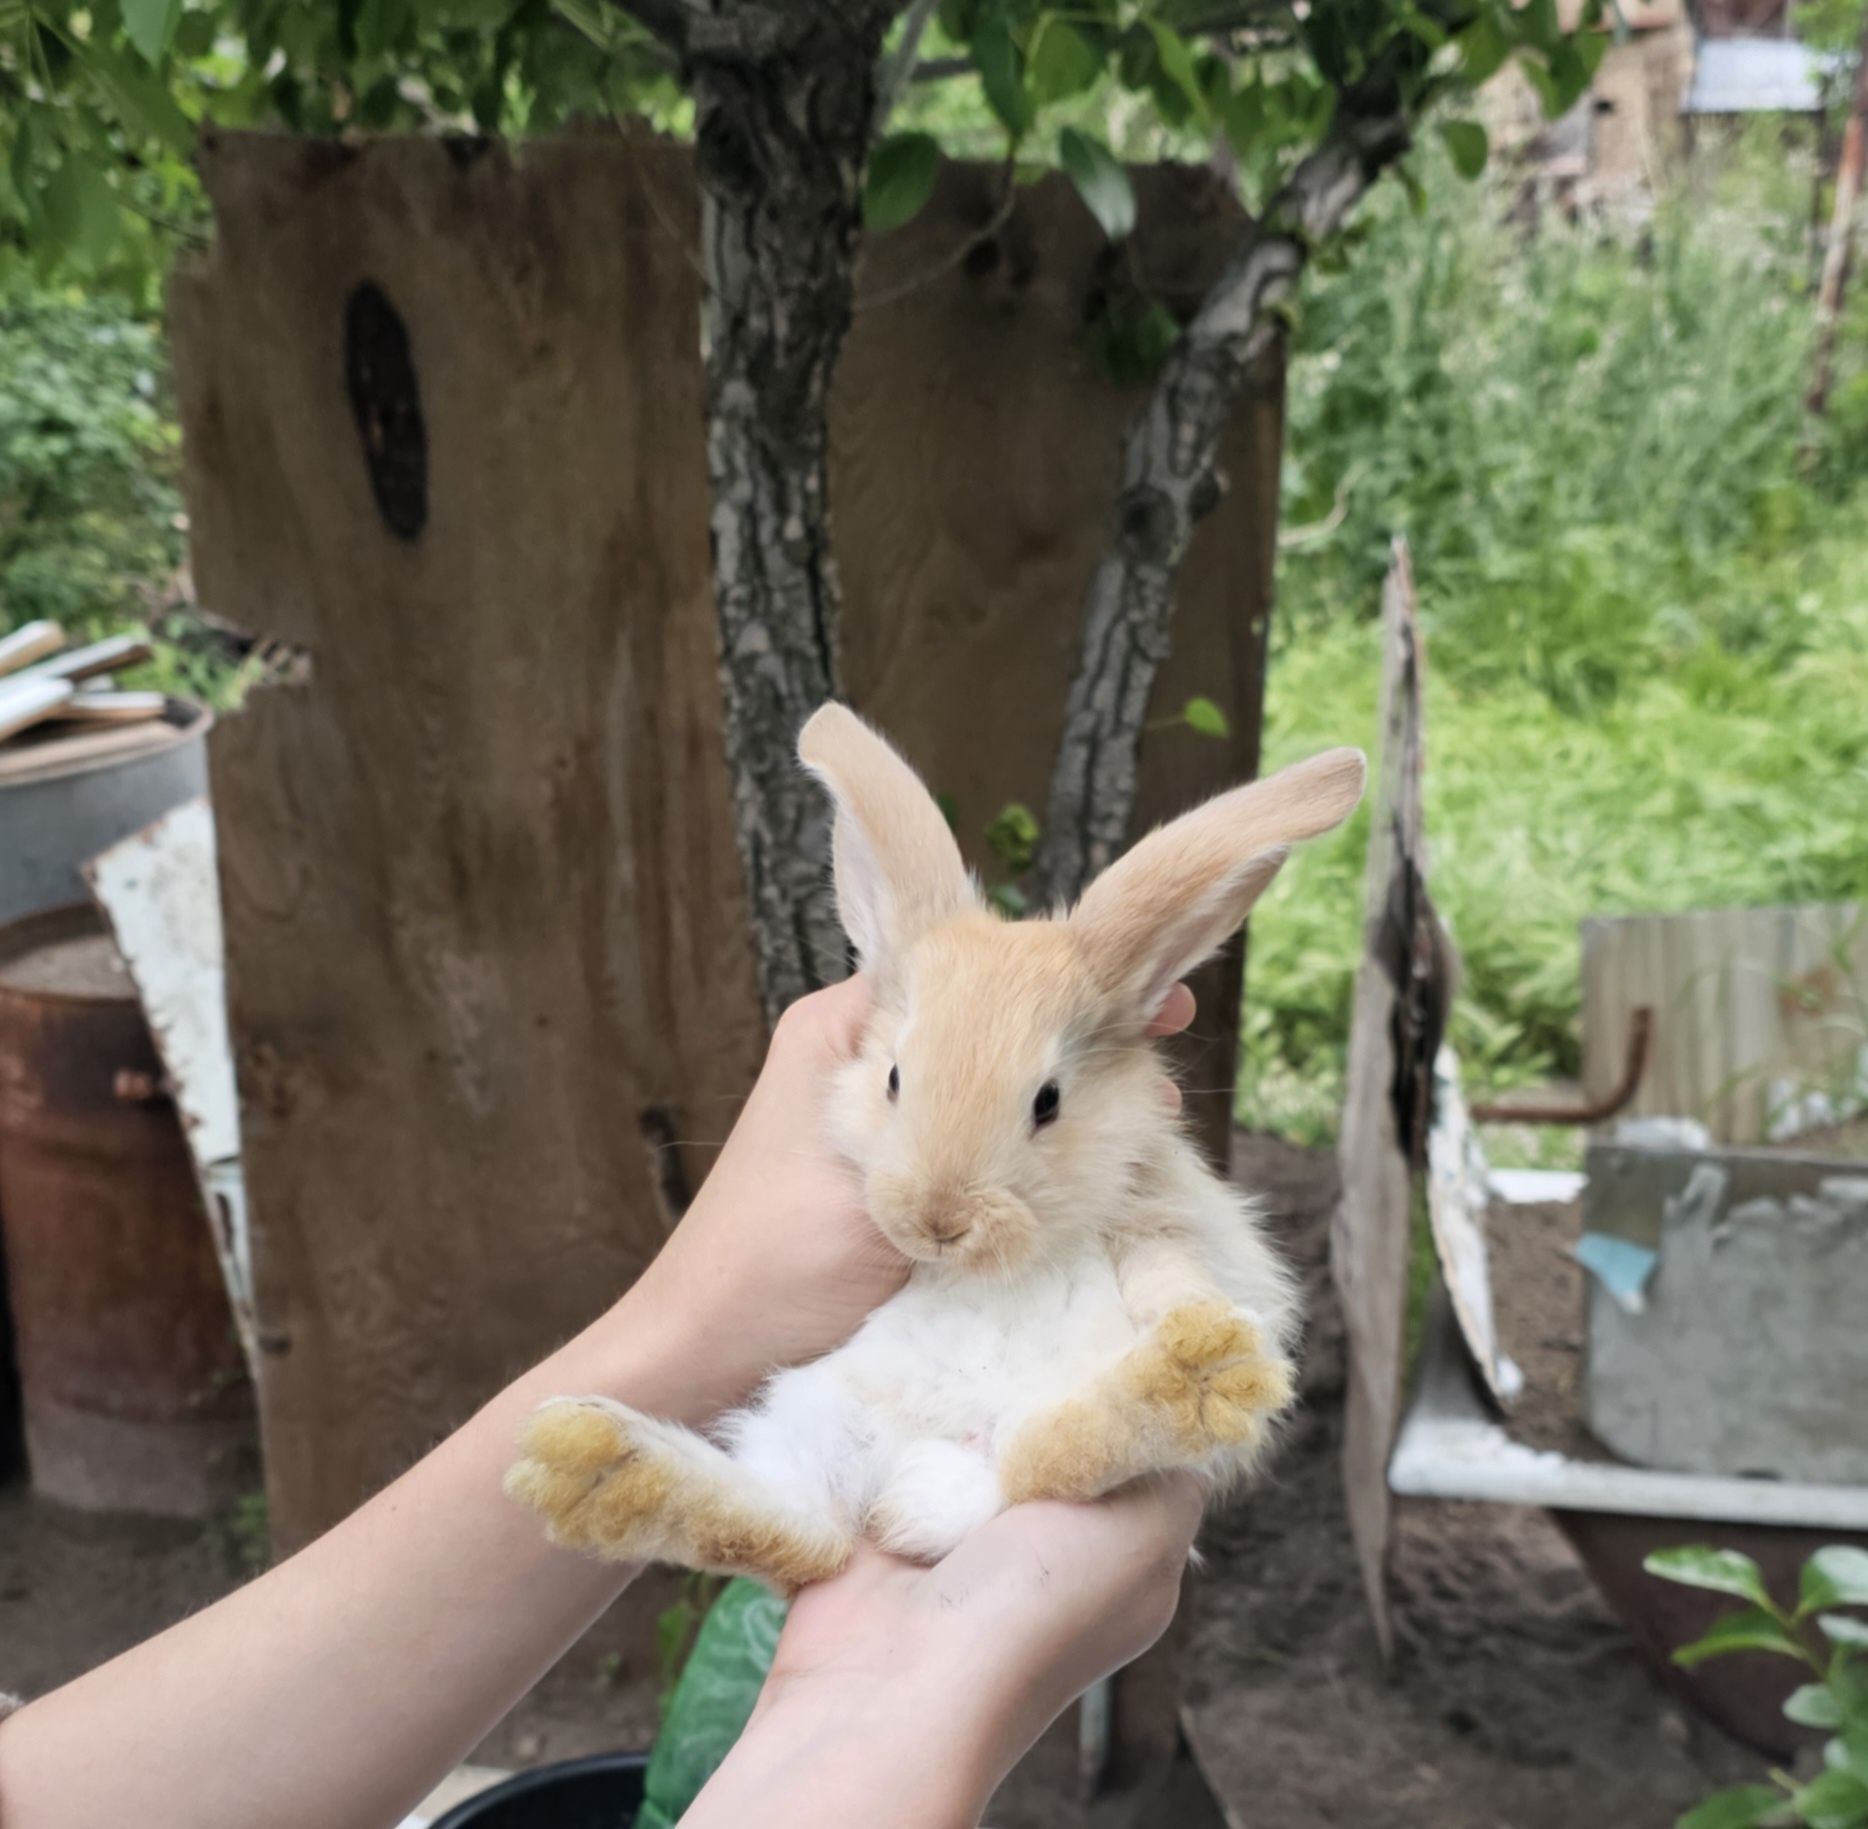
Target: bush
1647 632
90 526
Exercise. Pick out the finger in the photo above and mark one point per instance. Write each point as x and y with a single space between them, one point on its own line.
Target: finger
1170 1095
835 1016
1175 1014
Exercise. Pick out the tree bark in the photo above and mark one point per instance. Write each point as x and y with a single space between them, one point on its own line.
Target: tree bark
1835 279
1170 480
785 97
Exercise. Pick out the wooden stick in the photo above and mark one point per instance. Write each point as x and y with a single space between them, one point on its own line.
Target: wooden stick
113 707
99 657
26 702
30 642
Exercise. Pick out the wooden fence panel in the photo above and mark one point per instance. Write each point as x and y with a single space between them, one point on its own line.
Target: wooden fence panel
1754 1008
442 429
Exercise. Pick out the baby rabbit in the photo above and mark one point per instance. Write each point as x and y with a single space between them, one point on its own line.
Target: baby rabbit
1089 1302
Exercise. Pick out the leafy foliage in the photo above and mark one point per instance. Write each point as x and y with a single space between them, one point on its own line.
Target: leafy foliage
89 507
1647 627
100 99
1836 1702
713 1700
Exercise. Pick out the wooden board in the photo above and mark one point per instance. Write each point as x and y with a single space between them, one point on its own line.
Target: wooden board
160 891
1753 1008
25 701
30 642
482 900
1386 1095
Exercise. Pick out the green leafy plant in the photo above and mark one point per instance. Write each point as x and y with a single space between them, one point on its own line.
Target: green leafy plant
713 1699
1814 1632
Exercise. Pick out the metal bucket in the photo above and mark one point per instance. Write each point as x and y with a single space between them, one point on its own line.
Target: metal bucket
133 1386
61 805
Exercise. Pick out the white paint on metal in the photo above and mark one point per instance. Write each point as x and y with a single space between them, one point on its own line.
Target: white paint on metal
160 891
1537 1187
1450 1448
1458 1193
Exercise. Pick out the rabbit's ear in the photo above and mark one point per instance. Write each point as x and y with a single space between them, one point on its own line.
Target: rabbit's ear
1185 889
899 871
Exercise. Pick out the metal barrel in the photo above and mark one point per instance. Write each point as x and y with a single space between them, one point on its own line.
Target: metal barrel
132 1383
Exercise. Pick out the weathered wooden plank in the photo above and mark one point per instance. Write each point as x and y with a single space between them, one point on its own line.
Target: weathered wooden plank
1753 1009
442 427
30 642
1394 1034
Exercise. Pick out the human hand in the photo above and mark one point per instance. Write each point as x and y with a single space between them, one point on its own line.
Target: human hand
777 1261
923 1686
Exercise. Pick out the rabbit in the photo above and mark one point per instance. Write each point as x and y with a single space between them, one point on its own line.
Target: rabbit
1088 1302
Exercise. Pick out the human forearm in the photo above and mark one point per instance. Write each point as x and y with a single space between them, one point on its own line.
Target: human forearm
334 1690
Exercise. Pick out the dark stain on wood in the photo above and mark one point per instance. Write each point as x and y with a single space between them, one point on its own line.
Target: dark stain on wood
386 402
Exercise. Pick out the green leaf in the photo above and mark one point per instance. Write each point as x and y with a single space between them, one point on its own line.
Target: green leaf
150 25
1752 1629
1467 142
1205 717
1836 1576
1483 48
1001 76
1813 1706
139 99
1723 1571
901 178
1848 1752
1738 1808
711 1704
1842 1630
1101 181
1177 61
1835 1800
1013 836
1063 62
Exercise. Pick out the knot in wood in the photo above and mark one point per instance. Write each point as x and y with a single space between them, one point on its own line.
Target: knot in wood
1149 525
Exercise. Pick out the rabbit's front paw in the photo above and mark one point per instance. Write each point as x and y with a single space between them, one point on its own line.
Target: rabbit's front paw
583 1471
1206 1373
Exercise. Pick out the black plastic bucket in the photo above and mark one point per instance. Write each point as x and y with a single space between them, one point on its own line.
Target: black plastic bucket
603 1791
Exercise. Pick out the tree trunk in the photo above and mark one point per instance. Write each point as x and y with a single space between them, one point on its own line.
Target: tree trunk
1835 277
785 98
1170 480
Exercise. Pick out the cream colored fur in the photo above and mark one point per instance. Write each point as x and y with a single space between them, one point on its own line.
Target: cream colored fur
1089 1303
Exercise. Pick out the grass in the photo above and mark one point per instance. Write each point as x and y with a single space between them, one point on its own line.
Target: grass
1647 618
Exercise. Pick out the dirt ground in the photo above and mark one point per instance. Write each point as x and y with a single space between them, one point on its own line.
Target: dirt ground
1516 1703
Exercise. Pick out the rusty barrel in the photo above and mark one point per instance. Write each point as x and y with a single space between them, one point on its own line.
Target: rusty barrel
131 1377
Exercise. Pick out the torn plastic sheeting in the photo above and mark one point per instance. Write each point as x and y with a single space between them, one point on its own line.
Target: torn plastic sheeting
1620 1266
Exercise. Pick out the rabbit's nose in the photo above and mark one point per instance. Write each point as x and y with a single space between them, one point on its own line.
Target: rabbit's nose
946 1225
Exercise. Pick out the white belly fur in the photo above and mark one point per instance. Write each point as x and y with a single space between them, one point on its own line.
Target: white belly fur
898 1431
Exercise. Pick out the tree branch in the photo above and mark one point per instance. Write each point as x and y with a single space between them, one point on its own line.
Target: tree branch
899 67
1171 480
668 20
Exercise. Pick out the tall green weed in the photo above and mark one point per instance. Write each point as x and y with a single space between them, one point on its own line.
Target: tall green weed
1647 628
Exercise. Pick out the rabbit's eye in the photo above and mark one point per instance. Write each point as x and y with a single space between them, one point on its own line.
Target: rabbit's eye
895 1081
1044 1107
